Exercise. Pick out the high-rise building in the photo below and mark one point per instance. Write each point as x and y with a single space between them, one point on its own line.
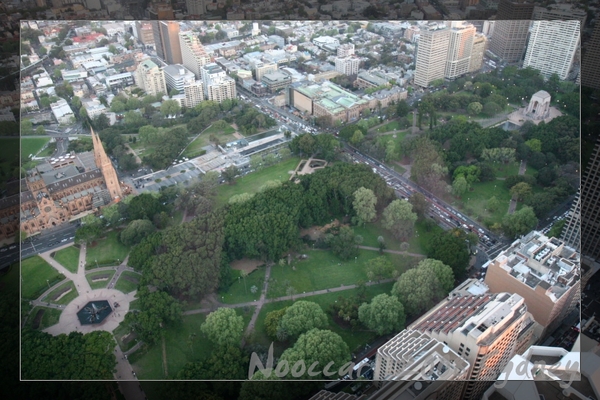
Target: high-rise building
459 50
432 51
345 50
217 85
166 40
590 73
193 53
150 78
160 11
195 7
545 272
144 32
485 329
177 76
552 46
511 29
562 12
582 229
194 94
347 65
480 43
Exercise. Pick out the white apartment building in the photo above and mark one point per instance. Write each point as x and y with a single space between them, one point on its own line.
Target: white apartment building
459 49
345 50
150 78
195 7
62 112
480 43
432 52
193 54
217 85
194 94
347 65
177 76
552 46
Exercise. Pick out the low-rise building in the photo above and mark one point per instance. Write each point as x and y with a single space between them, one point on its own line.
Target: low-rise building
276 81
62 112
119 80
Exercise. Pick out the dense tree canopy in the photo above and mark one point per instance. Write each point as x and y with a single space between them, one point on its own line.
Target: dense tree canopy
385 314
136 231
520 222
364 205
418 289
224 327
399 219
451 249
301 317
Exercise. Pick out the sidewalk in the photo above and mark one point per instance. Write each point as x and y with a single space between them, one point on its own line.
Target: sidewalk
513 201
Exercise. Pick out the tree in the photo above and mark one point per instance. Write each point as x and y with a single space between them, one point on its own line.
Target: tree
26 126
521 191
136 230
76 102
223 327
381 243
157 310
384 315
343 244
40 130
301 317
379 268
442 271
399 219
357 137
402 108
474 108
534 144
364 205
420 204
493 204
113 49
273 321
144 206
451 249
318 346
148 134
491 109
520 222
502 155
170 108
459 186
240 198
111 213
117 106
230 173
418 289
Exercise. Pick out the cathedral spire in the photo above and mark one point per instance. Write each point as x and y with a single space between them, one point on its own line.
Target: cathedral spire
108 171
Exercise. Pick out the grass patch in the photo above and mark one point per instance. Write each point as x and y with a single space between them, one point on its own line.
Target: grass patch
67 298
50 317
127 285
99 284
390 126
194 149
134 305
36 276
323 270
505 170
108 251
48 151
228 130
417 243
68 258
180 348
31 146
121 331
252 182
240 293
474 203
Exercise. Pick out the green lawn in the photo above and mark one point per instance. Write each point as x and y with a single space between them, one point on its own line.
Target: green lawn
67 298
125 285
31 146
36 276
253 181
323 270
134 305
68 258
121 331
195 147
477 200
390 126
99 284
48 151
50 317
239 292
180 350
107 251
504 171
354 339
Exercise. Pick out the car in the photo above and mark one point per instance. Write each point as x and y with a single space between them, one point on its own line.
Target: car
2 250
12 247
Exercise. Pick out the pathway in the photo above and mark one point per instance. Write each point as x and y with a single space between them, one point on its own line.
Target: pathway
513 201
393 251
259 304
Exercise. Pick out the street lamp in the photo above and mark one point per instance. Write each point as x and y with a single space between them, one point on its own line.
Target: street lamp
96 263
48 282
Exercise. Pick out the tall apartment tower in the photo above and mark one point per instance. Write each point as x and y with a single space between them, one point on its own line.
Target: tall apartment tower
545 272
347 65
561 12
511 29
217 85
144 32
108 171
160 11
590 74
345 50
150 78
166 39
193 53
552 47
460 47
480 44
195 7
194 94
432 51
583 223
484 329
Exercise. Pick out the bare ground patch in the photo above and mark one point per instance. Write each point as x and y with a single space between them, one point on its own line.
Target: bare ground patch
246 264
316 232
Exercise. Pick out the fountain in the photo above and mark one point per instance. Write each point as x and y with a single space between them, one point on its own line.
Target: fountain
94 312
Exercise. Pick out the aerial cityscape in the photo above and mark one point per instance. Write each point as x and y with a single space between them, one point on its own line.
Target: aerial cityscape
398 200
